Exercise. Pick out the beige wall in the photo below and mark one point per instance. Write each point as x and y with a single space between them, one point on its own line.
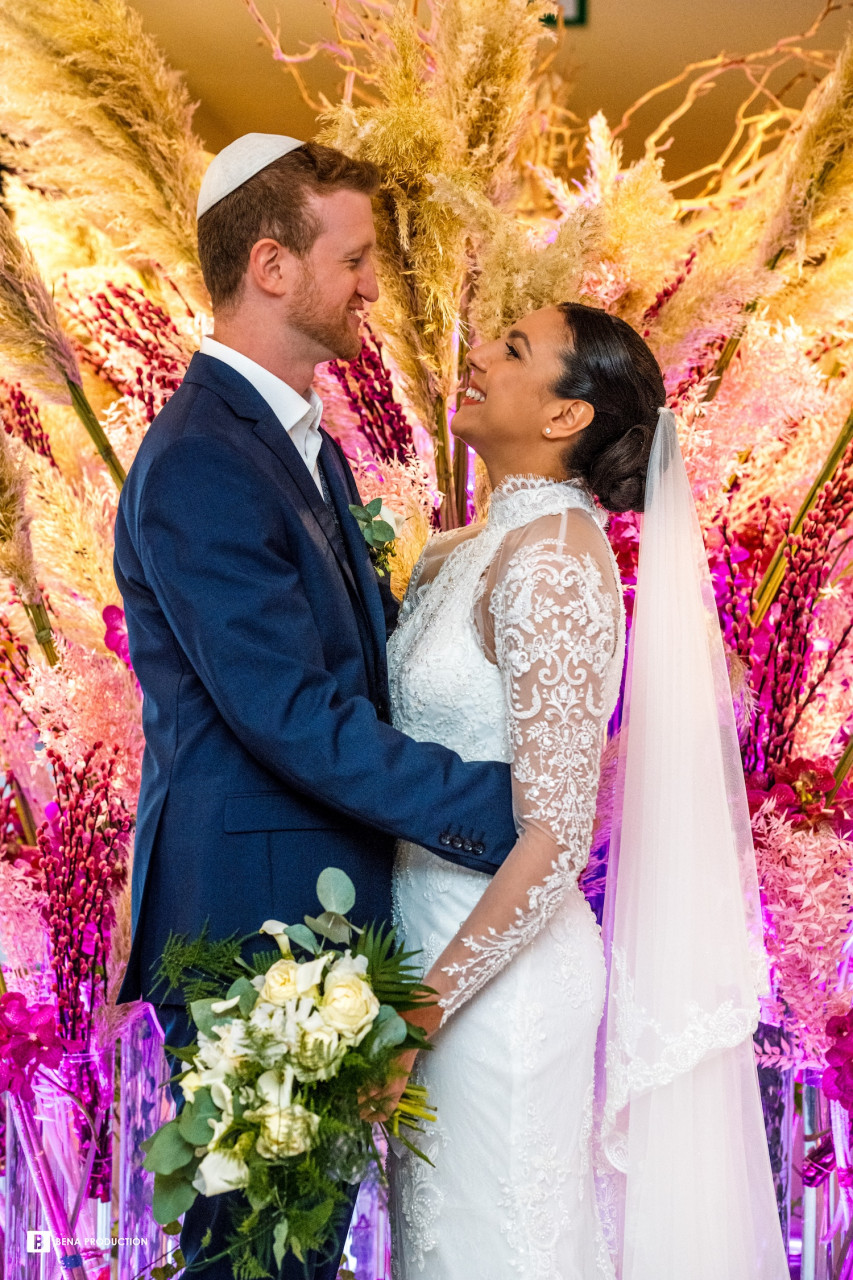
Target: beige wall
626 48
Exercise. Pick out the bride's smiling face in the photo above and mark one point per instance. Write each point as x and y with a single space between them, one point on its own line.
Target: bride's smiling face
509 412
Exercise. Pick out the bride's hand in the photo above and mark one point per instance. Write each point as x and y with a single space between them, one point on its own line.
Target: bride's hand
379 1107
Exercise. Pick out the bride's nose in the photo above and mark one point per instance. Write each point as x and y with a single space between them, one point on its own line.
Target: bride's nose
474 359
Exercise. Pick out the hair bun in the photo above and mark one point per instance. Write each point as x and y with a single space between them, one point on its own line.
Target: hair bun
618 475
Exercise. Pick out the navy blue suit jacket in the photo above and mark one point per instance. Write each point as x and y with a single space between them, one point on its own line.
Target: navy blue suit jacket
257 630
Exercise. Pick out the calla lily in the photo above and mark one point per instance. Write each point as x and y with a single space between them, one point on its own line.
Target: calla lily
222 1006
276 929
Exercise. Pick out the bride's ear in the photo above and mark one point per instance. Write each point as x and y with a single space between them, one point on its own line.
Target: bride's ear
565 418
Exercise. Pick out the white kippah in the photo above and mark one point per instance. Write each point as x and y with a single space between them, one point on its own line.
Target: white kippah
238 162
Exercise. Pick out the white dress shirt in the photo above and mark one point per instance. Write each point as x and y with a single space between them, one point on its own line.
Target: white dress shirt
299 417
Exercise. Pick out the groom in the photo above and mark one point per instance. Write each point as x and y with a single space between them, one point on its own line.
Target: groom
256 621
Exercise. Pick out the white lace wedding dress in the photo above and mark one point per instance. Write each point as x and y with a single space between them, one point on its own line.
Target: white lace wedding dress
510 647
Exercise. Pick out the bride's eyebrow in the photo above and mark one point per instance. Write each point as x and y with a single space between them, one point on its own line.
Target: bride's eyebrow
521 336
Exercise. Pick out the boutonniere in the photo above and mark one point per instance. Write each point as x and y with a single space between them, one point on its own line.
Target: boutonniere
380 527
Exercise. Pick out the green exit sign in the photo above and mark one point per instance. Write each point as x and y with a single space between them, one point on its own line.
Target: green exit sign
571 13
574 13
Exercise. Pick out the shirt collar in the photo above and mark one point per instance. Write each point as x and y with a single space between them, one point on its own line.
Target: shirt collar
288 405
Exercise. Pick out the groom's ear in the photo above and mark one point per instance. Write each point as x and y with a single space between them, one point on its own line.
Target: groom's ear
272 268
565 418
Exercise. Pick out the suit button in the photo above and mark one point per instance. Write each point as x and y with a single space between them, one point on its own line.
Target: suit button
467 846
444 838
479 849
456 842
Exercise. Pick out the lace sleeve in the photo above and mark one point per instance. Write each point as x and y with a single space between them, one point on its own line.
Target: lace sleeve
549 619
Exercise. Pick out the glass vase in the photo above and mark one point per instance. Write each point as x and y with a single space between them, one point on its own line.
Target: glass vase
146 1104
73 1112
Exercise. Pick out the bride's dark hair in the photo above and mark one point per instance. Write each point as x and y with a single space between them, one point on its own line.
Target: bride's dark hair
609 365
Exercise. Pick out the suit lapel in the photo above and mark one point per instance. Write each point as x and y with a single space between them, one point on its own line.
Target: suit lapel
359 556
345 542
273 434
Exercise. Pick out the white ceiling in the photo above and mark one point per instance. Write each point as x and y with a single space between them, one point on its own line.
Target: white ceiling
625 49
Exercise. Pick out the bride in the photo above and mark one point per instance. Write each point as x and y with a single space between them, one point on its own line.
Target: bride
510 646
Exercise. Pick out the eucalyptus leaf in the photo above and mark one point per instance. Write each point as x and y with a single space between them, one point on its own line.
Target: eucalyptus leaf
374 507
204 1017
279 1241
331 925
167 1151
173 1195
193 1120
299 934
383 532
335 890
360 513
243 988
387 1034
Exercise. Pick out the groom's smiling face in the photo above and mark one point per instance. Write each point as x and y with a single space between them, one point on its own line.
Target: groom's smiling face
336 278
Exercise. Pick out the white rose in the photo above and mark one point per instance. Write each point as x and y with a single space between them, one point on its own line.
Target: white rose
349 1005
279 984
287 980
392 517
320 1052
285 1131
220 1171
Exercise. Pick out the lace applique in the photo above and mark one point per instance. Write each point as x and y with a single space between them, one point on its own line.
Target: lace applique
419 1198
556 633
522 1213
639 1041
519 499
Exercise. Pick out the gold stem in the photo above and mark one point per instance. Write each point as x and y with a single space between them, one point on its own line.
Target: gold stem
460 448
730 349
775 574
460 480
42 630
444 466
87 416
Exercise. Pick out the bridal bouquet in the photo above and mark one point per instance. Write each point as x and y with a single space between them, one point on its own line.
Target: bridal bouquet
286 1051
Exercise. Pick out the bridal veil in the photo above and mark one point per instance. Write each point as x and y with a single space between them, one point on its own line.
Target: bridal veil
682 1127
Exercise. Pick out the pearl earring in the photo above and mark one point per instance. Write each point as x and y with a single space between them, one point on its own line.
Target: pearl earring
547 431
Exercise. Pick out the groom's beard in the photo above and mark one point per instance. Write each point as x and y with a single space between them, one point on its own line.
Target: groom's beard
333 331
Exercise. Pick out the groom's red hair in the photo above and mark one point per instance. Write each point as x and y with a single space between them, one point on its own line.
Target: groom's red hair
274 203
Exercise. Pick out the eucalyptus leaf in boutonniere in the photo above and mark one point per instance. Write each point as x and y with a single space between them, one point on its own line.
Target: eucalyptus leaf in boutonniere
380 527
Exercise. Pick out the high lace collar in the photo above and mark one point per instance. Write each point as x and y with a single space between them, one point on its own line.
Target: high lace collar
519 499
